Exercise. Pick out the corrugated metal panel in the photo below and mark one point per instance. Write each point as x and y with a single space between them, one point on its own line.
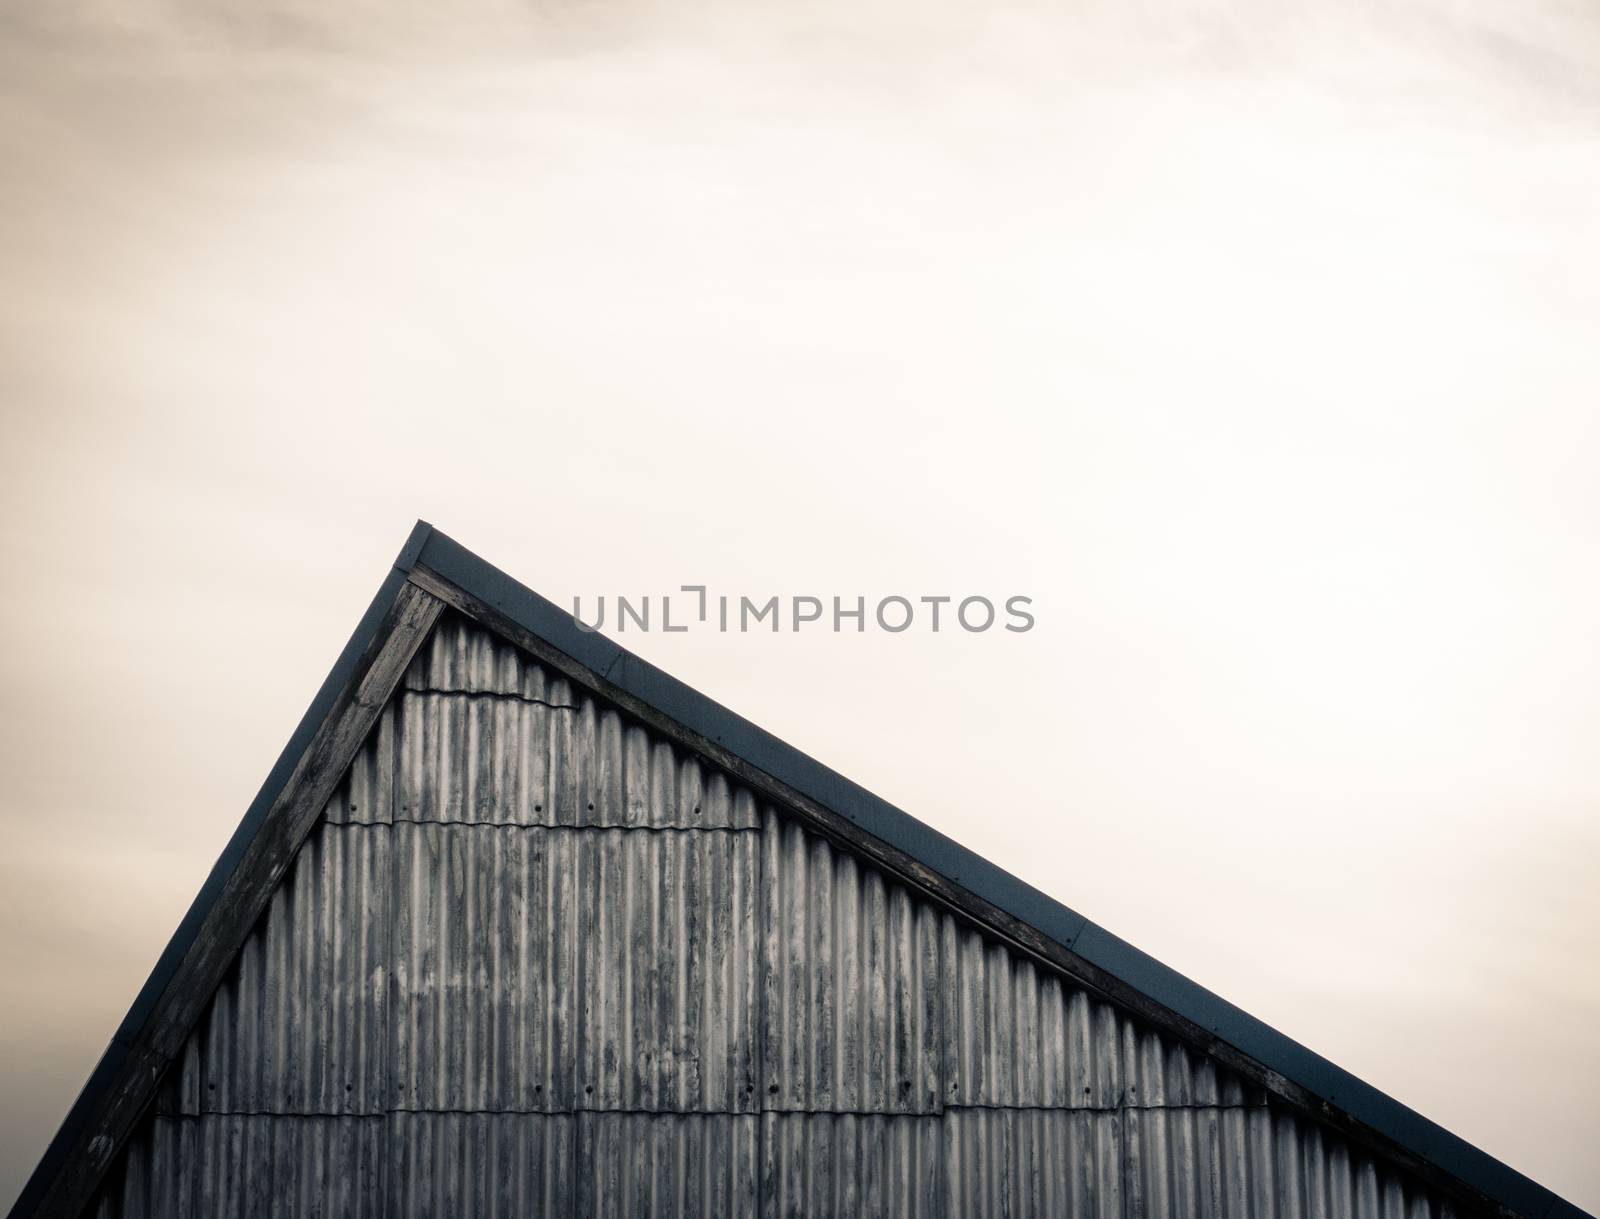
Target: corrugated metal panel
501 759
1201 1162
674 1166
248 1167
851 982
482 1165
461 656
573 1166
544 969
366 794
842 1165
1032 1164
300 1024
877 1001
1019 1034
488 736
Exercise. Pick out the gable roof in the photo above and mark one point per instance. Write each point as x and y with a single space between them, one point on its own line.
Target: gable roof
432 572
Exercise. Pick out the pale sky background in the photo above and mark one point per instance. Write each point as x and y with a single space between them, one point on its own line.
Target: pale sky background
1259 342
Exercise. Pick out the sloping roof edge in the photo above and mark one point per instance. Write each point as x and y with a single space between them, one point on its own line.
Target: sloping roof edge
116 1061
433 561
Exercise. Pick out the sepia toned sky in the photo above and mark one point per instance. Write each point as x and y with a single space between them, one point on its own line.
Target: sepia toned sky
1257 342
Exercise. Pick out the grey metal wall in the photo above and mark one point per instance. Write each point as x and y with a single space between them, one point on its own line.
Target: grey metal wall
536 961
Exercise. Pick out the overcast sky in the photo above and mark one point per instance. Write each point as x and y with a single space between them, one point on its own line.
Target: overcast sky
1259 344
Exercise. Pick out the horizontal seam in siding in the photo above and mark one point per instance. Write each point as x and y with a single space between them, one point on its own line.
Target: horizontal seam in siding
563 827
496 694
1106 1108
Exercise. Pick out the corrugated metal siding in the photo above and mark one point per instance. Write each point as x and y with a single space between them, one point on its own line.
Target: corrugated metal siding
840 1165
1203 1162
487 735
300 1024
878 1002
248 1167
366 794
483 1165
549 969
515 1165
1018 1034
677 1166
534 961
1033 1163
851 980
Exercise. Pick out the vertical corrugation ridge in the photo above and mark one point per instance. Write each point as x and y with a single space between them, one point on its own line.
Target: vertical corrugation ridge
506 760
851 975
1019 1034
484 1165
234 1166
666 1166
365 796
1023 1164
294 1026
488 735
841 1165
540 969
879 1001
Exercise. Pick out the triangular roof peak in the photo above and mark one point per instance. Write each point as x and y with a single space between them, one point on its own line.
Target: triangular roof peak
433 572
